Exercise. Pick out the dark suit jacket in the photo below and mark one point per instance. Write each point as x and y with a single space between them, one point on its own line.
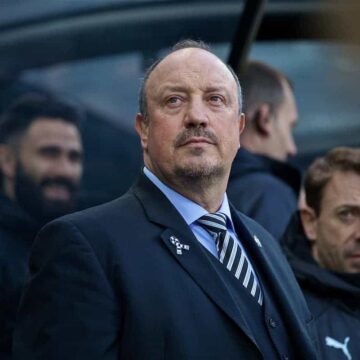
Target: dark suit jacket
108 283
17 232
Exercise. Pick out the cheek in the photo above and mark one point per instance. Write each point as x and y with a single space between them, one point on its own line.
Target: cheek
284 138
231 138
78 170
227 128
36 167
160 139
334 234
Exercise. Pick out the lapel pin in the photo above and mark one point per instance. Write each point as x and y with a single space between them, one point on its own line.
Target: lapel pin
179 246
257 241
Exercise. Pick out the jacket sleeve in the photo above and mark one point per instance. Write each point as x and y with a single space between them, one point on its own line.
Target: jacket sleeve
68 309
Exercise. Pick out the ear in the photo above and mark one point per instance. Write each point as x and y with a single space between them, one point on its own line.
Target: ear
262 120
7 161
309 222
242 122
142 128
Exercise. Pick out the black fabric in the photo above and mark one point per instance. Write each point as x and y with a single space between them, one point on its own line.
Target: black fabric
109 283
257 318
17 231
264 189
333 298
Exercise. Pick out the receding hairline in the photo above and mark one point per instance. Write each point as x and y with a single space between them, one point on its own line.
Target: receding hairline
155 66
189 50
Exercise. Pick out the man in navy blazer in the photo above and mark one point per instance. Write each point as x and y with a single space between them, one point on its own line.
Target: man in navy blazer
139 277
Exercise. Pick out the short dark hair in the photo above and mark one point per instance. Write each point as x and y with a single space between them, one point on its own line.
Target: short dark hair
322 169
23 112
183 44
262 84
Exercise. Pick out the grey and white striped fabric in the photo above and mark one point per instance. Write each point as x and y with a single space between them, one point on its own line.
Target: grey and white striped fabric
230 253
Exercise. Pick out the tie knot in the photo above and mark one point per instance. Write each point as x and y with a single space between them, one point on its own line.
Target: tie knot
215 223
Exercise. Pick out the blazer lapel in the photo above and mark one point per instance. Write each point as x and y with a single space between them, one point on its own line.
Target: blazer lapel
186 250
257 247
273 272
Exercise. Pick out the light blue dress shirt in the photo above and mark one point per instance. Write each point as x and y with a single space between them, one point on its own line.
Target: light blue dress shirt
191 212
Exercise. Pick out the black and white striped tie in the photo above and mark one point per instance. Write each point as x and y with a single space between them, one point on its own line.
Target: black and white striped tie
230 253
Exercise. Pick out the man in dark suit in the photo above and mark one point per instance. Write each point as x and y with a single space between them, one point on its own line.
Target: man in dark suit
140 277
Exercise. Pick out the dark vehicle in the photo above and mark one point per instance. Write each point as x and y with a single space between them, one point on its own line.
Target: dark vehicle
94 52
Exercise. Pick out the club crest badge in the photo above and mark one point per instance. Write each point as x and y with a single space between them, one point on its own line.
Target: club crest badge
179 246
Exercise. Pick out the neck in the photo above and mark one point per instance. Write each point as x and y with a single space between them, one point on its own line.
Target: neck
207 191
254 143
208 196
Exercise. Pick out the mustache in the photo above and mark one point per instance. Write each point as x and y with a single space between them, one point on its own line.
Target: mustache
187 134
72 186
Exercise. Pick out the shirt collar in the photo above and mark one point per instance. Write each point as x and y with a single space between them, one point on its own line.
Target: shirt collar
188 209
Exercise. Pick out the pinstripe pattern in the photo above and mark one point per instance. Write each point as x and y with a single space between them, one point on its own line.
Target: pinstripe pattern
230 253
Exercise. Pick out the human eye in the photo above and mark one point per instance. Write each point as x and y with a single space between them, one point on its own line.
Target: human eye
173 101
216 99
75 156
346 215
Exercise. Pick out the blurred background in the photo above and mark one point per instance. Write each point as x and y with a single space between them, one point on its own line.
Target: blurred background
95 52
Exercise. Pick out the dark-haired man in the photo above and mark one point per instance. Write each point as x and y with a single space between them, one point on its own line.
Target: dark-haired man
323 248
262 184
40 169
169 270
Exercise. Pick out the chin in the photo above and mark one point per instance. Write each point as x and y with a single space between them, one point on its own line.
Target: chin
199 170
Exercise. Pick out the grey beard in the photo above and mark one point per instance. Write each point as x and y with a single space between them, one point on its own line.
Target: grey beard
199 176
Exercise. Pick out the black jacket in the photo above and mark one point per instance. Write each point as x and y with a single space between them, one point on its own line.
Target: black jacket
108 283
264 189
333 298
17 231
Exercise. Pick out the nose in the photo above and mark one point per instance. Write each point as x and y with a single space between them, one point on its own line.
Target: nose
196 114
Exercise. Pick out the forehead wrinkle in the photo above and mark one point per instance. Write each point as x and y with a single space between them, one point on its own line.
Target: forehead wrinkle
206 67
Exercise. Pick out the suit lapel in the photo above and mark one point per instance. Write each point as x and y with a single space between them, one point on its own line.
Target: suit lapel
256 246
272 271
177 236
